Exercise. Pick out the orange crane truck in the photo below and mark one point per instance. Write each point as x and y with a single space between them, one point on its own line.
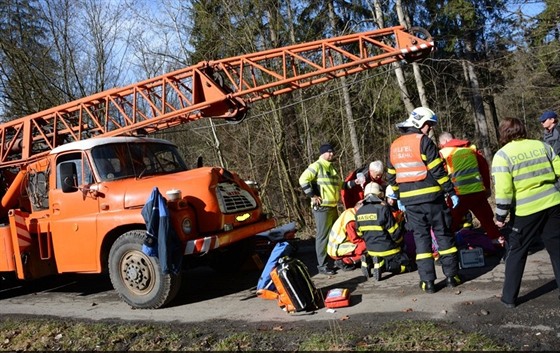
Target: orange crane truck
74 178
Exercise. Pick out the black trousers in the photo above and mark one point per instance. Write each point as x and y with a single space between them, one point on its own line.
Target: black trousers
423 218
525 229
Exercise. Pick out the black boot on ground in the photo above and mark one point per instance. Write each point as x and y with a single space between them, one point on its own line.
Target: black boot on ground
453 281
428 286
366 266
378 267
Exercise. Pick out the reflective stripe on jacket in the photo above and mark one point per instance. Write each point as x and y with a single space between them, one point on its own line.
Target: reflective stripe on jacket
525 172
321 179
462 167
375 223
430 189
407 160
339 244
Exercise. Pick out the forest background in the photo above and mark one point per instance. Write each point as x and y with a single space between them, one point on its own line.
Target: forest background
494 59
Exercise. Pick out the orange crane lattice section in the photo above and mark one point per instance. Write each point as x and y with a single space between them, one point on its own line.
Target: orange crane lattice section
217 89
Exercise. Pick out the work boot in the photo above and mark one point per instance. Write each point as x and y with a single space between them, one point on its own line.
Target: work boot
366 266
378 267
453 281
508 305
428 286
408 268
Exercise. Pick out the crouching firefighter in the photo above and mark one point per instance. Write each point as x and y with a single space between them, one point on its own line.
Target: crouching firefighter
382 234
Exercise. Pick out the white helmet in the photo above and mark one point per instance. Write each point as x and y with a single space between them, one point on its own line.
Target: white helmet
373 188
419 117
390 193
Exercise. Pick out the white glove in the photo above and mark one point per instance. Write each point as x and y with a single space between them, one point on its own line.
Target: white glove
454 200
400 206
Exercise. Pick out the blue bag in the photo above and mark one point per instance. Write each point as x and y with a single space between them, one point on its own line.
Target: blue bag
280 250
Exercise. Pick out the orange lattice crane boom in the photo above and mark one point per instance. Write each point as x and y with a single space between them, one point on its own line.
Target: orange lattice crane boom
217 89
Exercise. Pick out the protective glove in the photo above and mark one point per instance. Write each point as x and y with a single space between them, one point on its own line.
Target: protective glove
400 206
454 200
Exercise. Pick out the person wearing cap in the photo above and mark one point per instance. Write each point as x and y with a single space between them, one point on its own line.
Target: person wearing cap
525 173
322 184
345 246
551 133
416 175
382 235
470 175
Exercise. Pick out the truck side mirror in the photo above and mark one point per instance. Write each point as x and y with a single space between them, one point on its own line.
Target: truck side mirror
68 177
199 162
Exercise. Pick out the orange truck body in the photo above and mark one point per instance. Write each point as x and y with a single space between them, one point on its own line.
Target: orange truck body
73 231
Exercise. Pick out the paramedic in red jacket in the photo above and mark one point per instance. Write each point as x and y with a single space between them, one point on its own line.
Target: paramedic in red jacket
470 175
344 245
416 174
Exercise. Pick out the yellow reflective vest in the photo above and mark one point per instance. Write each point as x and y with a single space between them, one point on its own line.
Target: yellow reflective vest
462 167
339 244
524 173
321 179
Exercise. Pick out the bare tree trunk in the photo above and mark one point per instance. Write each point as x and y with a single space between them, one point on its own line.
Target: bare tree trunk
347 104
478 107
399 73
404 21
298 93
289 196
494 117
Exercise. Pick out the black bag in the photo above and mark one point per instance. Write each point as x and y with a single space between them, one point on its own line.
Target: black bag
296 290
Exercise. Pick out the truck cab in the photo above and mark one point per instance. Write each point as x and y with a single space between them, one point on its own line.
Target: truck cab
84 206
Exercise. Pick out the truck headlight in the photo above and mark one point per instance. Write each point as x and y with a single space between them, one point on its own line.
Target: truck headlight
186 226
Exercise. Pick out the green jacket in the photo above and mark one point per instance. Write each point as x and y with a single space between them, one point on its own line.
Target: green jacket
321 179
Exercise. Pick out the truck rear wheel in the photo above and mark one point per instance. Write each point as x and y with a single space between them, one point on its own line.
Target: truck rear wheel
137 277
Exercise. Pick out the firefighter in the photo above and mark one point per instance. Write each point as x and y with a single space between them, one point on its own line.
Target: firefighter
382 234
416 175
322 184
470 175
525 174
344 245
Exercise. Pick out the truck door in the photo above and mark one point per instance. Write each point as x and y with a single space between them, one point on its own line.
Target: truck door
73 216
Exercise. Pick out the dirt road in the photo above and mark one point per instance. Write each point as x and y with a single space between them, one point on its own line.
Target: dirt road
207 296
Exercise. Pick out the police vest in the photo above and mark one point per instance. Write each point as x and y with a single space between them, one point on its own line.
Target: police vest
523 174
338 244
407 160
462 167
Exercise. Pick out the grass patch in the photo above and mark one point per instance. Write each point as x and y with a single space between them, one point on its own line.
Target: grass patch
31 334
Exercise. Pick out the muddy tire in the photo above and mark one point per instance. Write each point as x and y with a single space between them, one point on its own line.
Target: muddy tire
137 277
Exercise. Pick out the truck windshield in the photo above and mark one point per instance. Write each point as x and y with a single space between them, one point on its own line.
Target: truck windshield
125 160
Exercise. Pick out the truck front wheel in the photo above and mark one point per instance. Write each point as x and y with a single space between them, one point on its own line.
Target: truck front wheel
137 277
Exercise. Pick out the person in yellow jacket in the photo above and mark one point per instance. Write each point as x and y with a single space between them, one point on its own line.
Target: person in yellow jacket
416 175
322 184
525 174
345 246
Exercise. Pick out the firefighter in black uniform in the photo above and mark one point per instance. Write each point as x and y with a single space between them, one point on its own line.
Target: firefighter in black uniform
382 234
418 178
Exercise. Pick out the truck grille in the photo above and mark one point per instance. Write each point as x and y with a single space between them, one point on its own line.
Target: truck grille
233 199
